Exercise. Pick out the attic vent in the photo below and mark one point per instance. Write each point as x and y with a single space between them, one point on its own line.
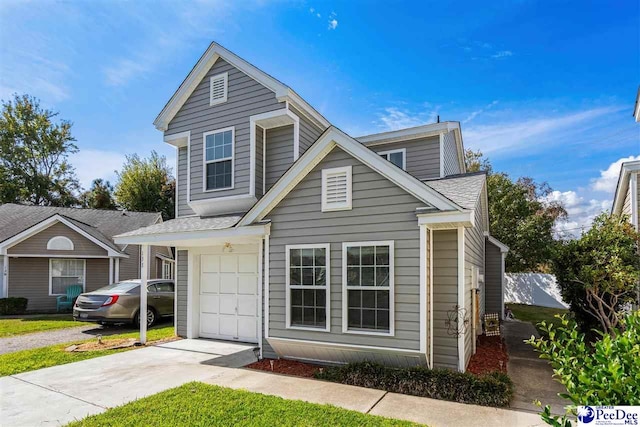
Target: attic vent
336 189
218 89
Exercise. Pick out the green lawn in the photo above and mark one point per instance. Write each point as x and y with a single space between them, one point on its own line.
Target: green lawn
198 404
30 324
536 314
44 357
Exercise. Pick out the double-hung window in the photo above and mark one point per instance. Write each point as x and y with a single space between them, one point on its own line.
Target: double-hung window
307 283
397 157
218 159
64 273
368 276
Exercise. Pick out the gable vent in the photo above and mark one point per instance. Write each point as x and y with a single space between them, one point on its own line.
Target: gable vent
336 189
218 89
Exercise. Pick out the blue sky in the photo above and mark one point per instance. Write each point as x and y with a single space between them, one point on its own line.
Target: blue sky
545 89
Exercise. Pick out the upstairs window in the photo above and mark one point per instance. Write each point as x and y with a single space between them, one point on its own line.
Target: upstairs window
218 159
218 89
397 157
336 189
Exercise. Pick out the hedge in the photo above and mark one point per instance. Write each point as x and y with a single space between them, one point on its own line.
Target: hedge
13 305
495 389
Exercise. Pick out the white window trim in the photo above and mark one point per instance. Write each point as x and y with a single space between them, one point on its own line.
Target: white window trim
391 287
54 241
388 153
205 162
343 207
212 101
327 287
84 275
170 265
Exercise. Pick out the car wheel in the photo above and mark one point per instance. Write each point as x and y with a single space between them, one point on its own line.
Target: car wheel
152 317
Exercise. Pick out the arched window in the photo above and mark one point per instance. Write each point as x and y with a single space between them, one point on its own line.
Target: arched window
60 243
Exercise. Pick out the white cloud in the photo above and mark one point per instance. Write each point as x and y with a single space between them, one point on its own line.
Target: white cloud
502 54
395 118
91 164
608 179
528 134
474 114
333 24
580 211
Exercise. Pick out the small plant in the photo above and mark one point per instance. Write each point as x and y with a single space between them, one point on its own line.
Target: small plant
494 389
605 373
13 305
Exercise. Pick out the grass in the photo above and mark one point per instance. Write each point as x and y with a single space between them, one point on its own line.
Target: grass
44 357
536 314
198 404
27 325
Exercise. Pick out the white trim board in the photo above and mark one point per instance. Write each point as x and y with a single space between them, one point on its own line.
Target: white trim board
202 67
318 151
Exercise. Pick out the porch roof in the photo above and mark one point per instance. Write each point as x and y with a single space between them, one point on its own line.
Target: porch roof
193 231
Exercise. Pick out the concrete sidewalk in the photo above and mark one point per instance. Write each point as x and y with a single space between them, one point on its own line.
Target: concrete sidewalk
60 394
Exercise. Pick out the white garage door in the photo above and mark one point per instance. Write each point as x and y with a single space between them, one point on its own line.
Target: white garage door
229 297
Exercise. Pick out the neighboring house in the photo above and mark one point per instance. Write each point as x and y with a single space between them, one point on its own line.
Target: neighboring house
45 249
627 197
317 246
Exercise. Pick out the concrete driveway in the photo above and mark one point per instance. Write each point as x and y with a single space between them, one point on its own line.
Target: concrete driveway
61 394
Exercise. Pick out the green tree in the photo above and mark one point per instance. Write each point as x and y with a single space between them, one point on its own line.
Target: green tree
520 216
99 196
146 185
598 273
605 373
34 151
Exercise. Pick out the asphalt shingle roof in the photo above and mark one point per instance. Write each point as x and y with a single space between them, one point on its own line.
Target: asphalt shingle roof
187 224
463 189
101 224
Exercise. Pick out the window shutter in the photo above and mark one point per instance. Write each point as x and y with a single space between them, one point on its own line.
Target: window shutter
336 189
218 89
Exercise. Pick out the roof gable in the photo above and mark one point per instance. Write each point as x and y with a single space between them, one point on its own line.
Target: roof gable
319 150
202 67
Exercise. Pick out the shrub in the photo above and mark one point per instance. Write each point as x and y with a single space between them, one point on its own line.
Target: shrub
605 373
493 389
13 305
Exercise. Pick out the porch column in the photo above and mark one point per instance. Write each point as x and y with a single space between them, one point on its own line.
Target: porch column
144 277
116 271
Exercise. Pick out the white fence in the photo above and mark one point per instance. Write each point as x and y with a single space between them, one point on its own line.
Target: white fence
533 289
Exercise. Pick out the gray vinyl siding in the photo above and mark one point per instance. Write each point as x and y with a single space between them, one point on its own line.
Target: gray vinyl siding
493 279
130 267
298 220
182 265
626 205
246 97
37 244
29 278
445 298
473 257
451 164
183 178
423 155
309 132
279 153
259 160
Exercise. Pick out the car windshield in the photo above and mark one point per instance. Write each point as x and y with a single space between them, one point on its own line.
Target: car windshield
120 287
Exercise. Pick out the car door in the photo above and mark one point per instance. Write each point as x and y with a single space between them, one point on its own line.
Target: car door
164 295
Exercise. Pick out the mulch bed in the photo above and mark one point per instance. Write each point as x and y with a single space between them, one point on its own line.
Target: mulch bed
287 367
491 355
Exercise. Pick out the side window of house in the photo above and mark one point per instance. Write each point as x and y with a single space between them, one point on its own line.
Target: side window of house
218 159
368 280
397 157
308 286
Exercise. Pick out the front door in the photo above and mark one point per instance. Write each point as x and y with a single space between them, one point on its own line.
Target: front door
229 296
